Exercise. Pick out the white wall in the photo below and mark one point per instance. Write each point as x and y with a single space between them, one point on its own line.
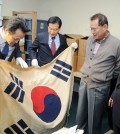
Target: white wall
75 14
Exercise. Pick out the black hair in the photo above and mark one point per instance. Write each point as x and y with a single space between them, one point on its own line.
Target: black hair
53 20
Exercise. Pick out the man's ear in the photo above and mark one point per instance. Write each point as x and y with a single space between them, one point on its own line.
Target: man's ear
6 32
105 27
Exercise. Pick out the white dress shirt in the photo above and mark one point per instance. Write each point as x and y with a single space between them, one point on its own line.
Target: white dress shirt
2 44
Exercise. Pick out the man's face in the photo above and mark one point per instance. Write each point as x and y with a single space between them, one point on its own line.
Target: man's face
13 38
98 31
53 29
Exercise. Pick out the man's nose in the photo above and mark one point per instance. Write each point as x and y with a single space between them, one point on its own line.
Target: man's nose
16 41
52 31
92 31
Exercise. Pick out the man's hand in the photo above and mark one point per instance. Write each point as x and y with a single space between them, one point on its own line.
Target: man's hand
21 62
110 102
74 45
34 62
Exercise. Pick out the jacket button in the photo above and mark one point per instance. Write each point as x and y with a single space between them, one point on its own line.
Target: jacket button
90 58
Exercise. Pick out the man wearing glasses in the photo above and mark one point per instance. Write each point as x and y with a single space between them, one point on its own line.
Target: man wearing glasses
102 63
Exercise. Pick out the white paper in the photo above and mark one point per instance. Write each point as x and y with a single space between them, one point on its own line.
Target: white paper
71 130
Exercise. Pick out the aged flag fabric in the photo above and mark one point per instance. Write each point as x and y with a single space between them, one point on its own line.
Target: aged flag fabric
35 100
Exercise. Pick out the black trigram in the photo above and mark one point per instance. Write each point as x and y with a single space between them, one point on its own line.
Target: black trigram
15 89
19 128
61 70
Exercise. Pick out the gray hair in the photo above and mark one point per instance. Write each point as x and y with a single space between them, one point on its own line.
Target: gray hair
16 23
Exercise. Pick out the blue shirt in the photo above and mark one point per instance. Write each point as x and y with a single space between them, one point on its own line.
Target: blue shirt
57 41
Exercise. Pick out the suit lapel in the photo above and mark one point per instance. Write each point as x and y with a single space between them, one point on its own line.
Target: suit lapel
1 56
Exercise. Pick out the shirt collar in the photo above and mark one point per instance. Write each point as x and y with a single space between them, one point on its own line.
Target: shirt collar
55 36
103 40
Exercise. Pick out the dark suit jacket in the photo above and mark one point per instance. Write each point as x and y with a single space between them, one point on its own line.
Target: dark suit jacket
40 49
116 103
16 53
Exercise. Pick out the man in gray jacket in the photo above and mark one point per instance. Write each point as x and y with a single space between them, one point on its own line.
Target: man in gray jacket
102 63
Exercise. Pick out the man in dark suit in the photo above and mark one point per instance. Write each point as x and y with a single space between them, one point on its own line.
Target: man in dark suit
10 34
40 51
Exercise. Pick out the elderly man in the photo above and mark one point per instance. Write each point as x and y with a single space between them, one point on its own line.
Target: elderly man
102 62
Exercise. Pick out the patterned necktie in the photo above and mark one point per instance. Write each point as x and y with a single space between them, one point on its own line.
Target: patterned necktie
5 50
53 46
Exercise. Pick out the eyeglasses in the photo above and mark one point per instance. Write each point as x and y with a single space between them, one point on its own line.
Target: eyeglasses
94 28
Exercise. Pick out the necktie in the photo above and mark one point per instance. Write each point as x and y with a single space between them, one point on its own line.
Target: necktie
5 50
53 46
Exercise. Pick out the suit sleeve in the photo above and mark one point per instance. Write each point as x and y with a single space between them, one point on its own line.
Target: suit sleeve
33 48
66 42
117 66
17 53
